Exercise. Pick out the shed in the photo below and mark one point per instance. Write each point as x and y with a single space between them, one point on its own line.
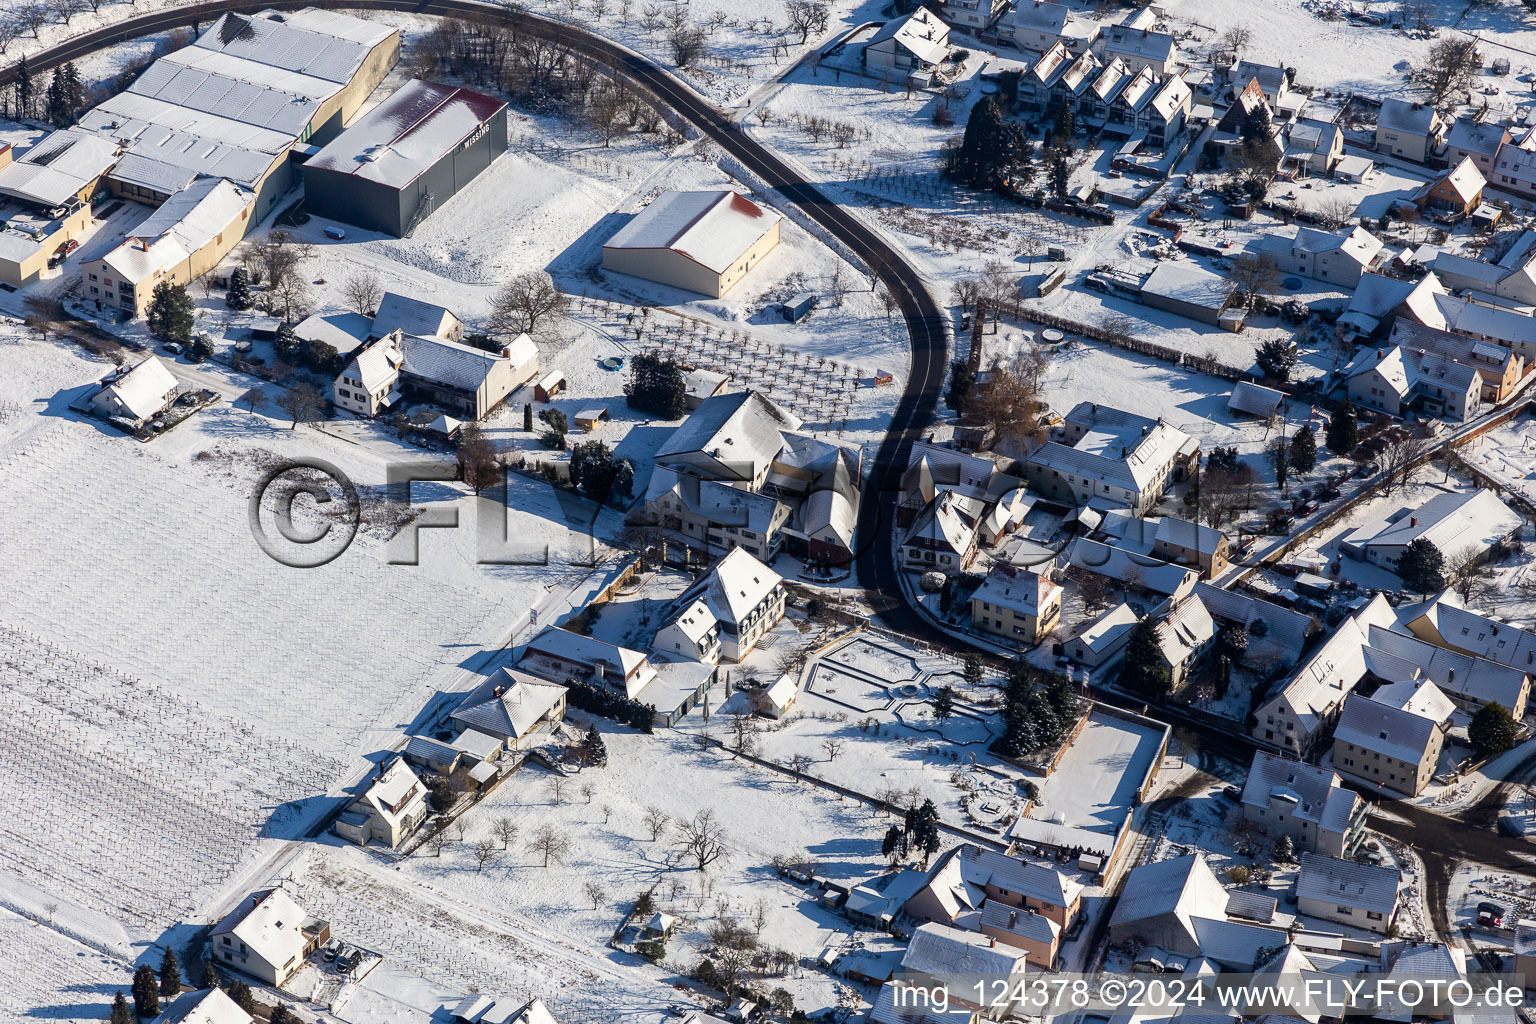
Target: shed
550 385
1189 290
1353 168
798 307
590 419
265 328
482 773
1249 399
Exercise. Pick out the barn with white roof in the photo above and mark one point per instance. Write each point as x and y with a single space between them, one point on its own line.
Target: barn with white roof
702 242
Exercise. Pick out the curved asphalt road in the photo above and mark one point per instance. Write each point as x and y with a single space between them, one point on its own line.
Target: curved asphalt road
926 322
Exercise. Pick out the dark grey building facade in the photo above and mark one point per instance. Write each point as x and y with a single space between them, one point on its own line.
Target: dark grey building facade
402 160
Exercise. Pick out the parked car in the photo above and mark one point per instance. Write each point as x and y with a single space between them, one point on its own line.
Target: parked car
173 347
346 960
329 950
65 248
1232 792
1490 915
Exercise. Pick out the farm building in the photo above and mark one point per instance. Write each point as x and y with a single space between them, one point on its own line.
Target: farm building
1188 290
468 382
700 241
399 162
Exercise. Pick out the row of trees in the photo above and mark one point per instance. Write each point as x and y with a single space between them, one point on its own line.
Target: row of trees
1039 708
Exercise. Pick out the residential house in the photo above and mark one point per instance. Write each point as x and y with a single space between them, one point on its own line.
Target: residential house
915 44
1312 148
1474 521
510 706
1118 458
1039 79
1035 25
1179 906
1393 738
267 937
206 1006
745 597
1274 82
1380 300
468 382
1310 804
1511 282
1233 129
894 1005
950 958
1276 635
944 535
1037 935
414 316
1445 622
975 16
1191 544
1477 141
966 877
1340 258
1101 643
693 632
1344 892
1515 166
1462 314
1399 381
1018 604
1299 709
390 810
138 395
933 468
738 474
429 755
183 239
1158 52
1184 634
1131 570
559 655
1500 370
1371 646
1413 131
1454 194
482 1009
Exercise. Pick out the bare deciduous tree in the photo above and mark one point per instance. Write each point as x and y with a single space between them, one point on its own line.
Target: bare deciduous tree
528 304
1253 275
549 843
484 852
596 894
702 839
656 821
1448 68
504 829
301 402
807 16
1237 39
799 764
363 292
832 748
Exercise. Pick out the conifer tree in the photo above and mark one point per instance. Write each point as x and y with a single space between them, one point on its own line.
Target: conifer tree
170 312
170 974
1343 430
146 992
121 1013
1144 671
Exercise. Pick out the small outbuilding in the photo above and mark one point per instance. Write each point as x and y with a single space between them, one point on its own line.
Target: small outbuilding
590 419
1189 290
549 385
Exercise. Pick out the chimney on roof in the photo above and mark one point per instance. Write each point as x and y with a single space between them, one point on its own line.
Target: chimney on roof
506 352
1413 520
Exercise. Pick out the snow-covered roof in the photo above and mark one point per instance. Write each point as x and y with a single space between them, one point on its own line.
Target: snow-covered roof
1052 64
921 33
1038 16
1465 180
1185 631
1188 282
409 315
1021 590
1470 631
1114 447
1307 787
1419 697
735 586
1140 43
939 950
889 1008
378 365
342 331
448 362
405 136
1284 629
1471 678
1254 399
947 523
1477 320
321 44
1023 923
958 880
741 433
1106 630
695 621
209 1006
520 705
1127 566
1451 521
270 923
1403 116
181 226
1183 886
395 792
1343 882
1320 684
1450 345
1174 95
58 167
1483 138
1356 243
229 92
714 229
584 650
143 390
1271 79
1384 729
